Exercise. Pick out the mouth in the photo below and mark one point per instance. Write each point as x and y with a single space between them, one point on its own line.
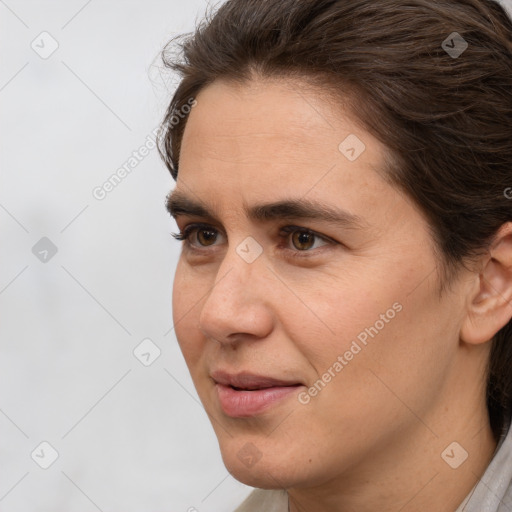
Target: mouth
244 395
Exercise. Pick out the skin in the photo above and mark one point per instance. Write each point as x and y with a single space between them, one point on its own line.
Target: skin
372 438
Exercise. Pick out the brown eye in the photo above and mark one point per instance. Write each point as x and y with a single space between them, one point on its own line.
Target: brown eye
206 236
303 240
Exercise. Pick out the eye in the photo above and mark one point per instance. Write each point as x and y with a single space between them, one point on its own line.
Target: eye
299 239
205 235
303 239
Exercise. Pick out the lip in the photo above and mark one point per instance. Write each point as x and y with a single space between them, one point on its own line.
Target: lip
246 394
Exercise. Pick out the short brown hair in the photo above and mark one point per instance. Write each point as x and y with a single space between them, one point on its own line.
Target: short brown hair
446 119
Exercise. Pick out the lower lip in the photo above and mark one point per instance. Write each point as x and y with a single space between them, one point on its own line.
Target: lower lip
241 404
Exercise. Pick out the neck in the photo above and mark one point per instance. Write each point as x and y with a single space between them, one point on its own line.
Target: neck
416 472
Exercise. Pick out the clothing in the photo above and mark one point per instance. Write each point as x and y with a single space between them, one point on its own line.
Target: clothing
493 493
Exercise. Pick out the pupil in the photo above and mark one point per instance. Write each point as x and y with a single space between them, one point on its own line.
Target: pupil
206 236
303 239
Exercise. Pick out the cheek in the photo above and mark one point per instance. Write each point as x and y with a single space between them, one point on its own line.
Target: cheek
186 303
396 349
375 325
337 310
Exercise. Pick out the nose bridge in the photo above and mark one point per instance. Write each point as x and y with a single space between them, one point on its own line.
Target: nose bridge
236 303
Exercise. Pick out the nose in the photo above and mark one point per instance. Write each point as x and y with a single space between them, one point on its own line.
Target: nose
238 304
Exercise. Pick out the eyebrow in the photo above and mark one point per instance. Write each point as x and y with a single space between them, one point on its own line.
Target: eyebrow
180 204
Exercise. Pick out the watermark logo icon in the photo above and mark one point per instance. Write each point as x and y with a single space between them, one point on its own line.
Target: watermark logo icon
454 455
352 147
454 45
147 352
44 455
45 45
249 454
249 250
44 250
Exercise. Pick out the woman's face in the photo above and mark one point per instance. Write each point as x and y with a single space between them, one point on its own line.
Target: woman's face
316 342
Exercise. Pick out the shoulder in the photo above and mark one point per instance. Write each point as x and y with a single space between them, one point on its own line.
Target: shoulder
261 500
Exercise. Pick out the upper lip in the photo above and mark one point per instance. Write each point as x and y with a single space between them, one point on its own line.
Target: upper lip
246 380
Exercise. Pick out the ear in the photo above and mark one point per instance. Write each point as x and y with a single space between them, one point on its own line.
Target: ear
490 303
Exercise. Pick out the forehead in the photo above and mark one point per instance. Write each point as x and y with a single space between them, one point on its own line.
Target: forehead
254 146
272 134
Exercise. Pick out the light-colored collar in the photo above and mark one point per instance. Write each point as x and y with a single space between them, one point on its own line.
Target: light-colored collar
493 492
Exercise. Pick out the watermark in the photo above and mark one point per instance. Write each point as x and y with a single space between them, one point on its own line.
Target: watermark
45 45
44 250
129 165
249 250
343 360
249 454
508 193
454 455
352 147
44 455
454 45
147 352
182 112
100 192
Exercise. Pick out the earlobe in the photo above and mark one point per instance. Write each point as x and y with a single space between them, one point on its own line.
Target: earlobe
490 304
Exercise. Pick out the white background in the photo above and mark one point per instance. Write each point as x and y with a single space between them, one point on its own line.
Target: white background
129 437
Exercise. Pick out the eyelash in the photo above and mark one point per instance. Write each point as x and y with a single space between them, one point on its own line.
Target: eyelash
184 235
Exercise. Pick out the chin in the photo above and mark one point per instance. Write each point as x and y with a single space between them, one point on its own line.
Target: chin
266 476
270 470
